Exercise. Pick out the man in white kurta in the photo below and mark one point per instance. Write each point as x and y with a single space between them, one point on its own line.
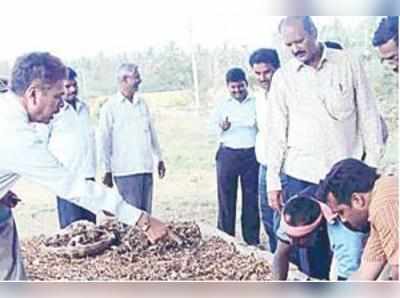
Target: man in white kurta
71 139
128 143
36 96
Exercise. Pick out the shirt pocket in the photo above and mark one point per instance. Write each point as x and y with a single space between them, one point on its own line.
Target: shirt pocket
339 100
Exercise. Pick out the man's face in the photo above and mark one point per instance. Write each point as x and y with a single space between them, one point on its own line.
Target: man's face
263 73
45 101
354 216
389 53
132 81
302 44
70 90
238 90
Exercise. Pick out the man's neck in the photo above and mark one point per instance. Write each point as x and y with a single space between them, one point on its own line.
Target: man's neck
128 95
72 103
314 63
241 100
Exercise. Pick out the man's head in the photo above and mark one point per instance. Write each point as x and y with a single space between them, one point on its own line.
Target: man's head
386 39
37 79
346 190
70 86
302 218
264 63
300 36
129 79
237 83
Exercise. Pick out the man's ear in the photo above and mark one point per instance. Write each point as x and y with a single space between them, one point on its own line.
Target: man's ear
31 94
358 200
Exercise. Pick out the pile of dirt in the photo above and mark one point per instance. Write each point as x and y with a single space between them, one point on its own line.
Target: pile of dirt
126 254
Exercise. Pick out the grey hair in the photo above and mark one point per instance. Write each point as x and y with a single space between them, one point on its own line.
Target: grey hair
308 24
125 69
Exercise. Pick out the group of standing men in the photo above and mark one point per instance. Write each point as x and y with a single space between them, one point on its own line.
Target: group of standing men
312 112
51 141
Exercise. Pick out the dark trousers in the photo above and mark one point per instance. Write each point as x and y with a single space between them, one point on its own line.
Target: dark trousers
233 164
267 213
136 190
315 261
11 261
69 212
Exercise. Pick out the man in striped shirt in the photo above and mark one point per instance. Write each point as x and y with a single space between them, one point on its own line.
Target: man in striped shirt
366 201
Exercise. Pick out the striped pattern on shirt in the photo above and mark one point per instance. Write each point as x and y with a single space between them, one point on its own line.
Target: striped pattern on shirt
383 242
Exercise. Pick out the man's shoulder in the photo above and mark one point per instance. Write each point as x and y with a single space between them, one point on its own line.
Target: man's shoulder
224 102
83 104
384 196
342 56
111 101
287 69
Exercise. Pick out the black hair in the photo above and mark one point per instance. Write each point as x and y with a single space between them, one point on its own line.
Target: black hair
3 85
388 29
333 45
235 74
308 24
71 74
263 55
345 178
41 66
302 210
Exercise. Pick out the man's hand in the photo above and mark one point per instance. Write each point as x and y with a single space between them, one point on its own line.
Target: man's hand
107 179
10 200
161 169
275 200
225 125
154 228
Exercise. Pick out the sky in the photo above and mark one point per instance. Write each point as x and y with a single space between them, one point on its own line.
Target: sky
78 28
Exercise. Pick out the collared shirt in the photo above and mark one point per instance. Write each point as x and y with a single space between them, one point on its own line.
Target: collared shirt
24 154
127 139
71 138
242 115
317 117
383 242
261 106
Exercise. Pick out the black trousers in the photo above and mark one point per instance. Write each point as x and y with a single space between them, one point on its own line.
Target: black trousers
233 164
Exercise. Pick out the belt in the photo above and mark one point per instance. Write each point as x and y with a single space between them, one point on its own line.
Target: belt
235 149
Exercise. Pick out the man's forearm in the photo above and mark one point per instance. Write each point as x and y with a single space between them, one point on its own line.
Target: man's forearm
280 264
368 271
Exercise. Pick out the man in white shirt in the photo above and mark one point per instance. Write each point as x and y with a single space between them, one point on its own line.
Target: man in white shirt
71 139
321 110
35 97
264 63
128 141
234 119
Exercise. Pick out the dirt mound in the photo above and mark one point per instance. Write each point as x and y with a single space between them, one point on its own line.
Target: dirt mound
130 256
